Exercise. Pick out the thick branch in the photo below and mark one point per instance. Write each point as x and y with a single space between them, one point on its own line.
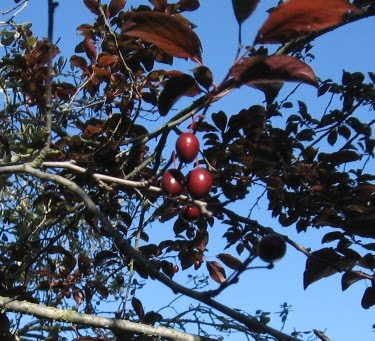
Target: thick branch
128 250
71 316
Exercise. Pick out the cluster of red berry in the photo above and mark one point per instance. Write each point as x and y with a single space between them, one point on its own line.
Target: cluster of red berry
198 182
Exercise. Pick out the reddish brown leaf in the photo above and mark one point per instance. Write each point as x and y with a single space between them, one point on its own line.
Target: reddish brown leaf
88 46
92 5
231 261
116 6
296 18
78 296
78 61
165 31
107 59
273 68
138 308
201 240
64 90
100 72
182 85
216 272
159 5
243 9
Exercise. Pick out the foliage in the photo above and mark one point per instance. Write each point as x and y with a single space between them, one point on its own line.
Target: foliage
81 166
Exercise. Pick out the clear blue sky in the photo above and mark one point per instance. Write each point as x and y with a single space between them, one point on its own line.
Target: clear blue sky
323 305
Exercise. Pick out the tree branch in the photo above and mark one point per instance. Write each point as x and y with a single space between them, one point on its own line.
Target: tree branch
71 316
126 249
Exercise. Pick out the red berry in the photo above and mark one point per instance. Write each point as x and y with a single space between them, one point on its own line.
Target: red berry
187 147
173 182
199 182
190 213
176 268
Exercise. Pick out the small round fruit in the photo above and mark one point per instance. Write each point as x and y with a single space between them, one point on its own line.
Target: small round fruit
173 182
187 147
176 268
199 183
190 213
271 248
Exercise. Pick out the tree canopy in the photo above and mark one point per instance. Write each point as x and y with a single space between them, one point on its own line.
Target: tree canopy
96 149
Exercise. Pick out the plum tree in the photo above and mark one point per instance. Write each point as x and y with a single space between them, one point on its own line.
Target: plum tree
95 208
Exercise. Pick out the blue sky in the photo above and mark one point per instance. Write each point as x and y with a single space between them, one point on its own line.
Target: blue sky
323 305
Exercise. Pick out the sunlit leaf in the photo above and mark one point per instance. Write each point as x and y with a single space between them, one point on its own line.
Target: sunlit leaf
166 32
231 261
216 272
296 18
273 68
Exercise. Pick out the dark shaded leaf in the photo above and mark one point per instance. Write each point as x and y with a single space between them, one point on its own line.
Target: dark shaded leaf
332 137
344 131
368 299
369 246
220 119
203 75
296 18
216 272
84 263
331 236
116 6
152 317
270 89
104 255
188 5
340 157
231 261
243 9
318 269
273 68
138 308
348 278
176 87
166 32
